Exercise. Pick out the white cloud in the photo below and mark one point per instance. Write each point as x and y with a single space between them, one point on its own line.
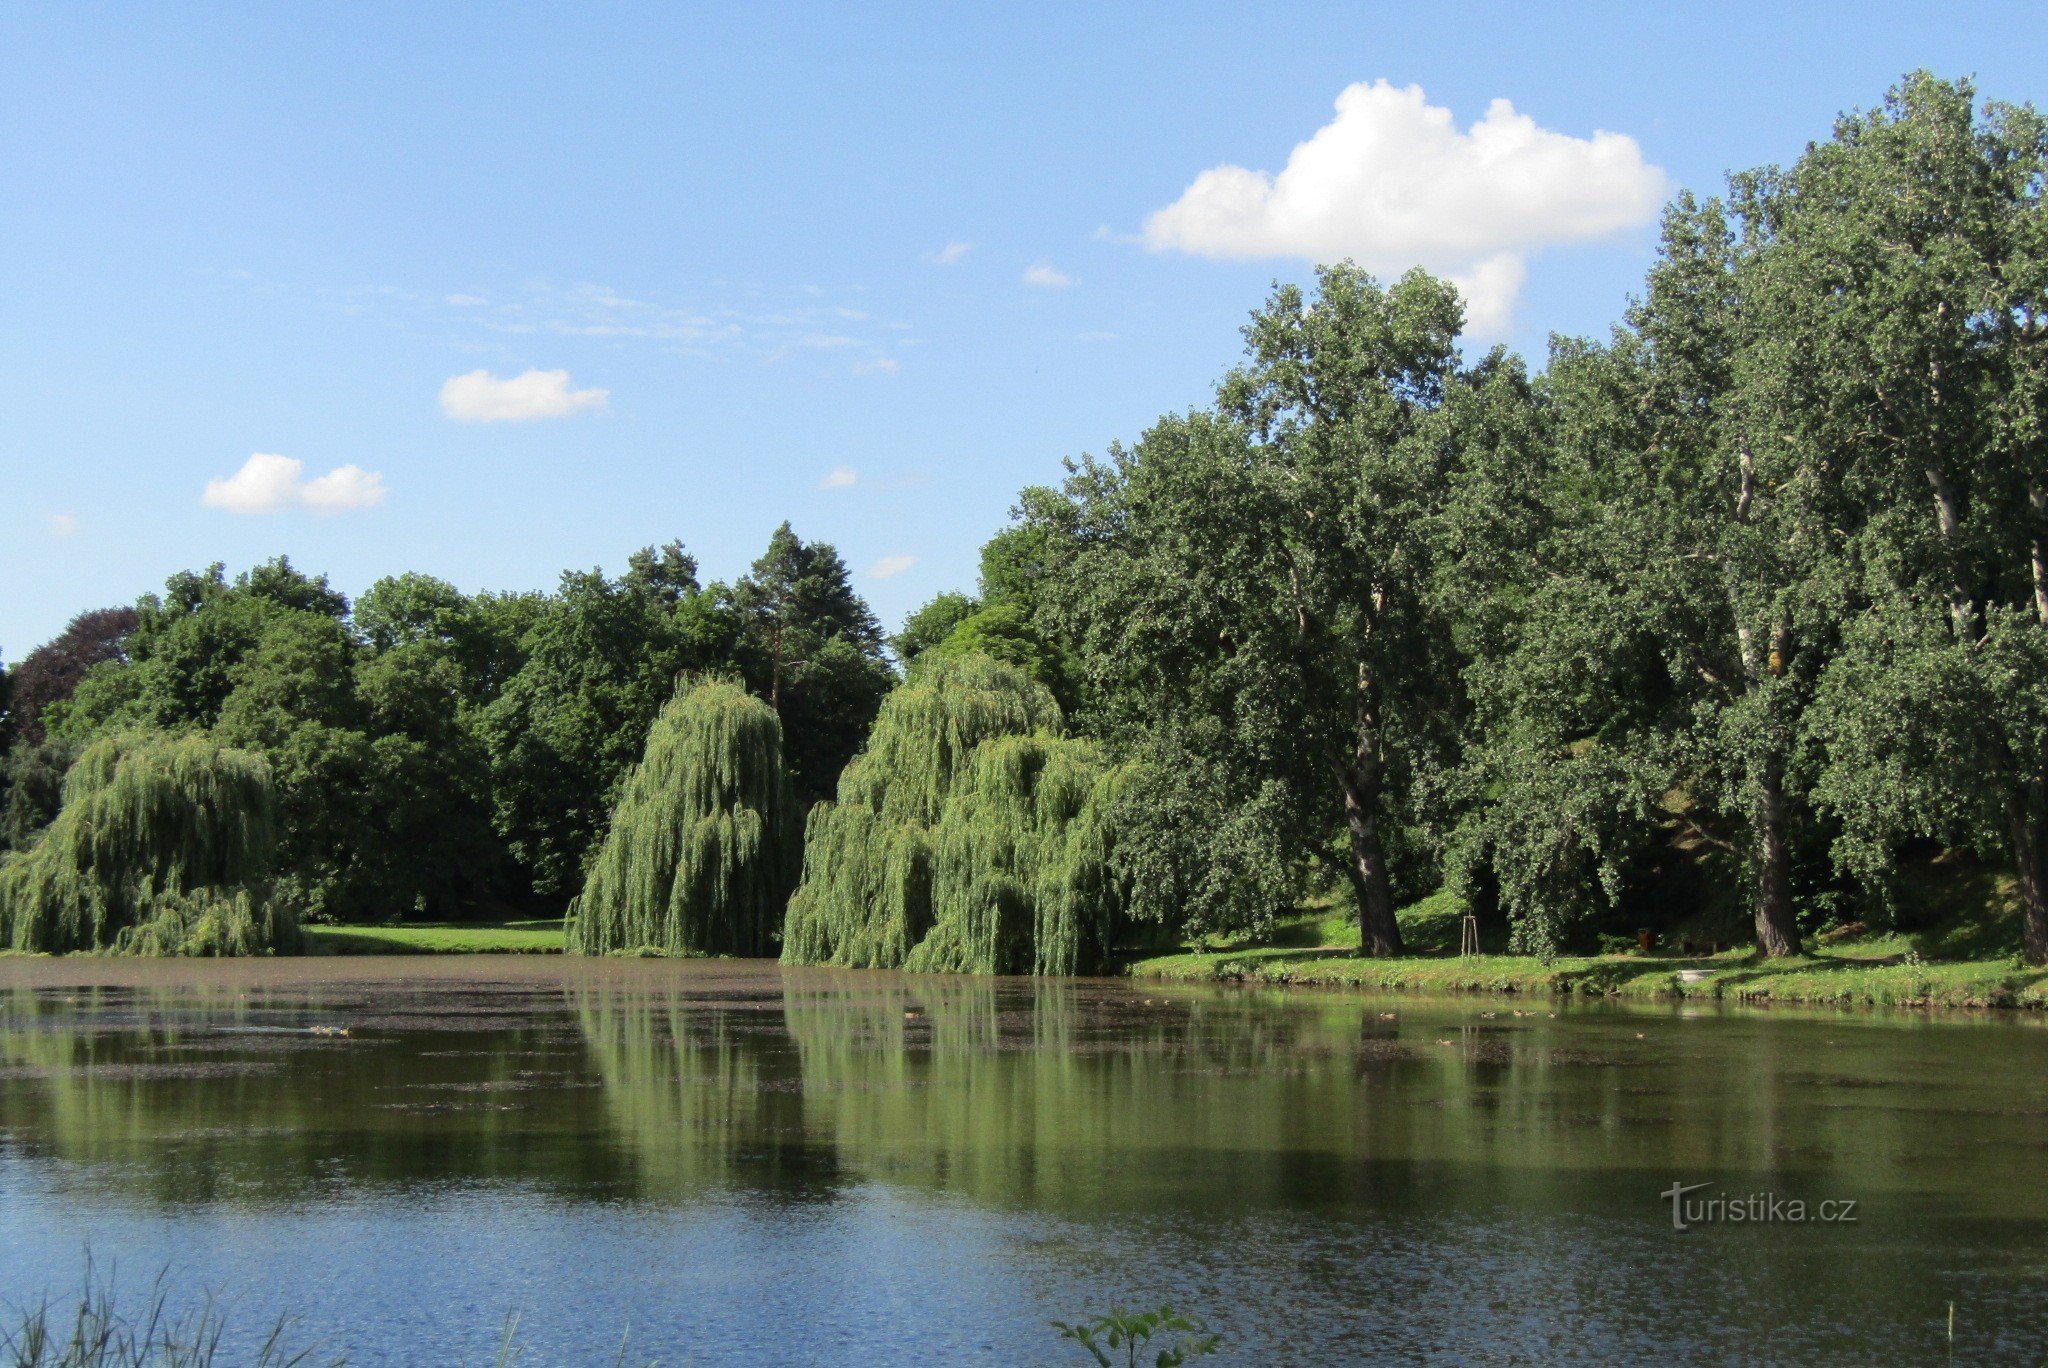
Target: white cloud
1392 183
268 483
61 524
879 365
840 477
464 301
1047 276
950 253
889 566
481 397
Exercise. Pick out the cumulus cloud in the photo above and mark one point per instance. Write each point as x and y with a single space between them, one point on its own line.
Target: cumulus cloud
877 365
889 566
61 524
840 477
268 483
951 253
481 397
1392 182
1047 276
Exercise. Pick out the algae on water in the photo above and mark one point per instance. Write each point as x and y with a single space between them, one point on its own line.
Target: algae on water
704 842
971 836
163 846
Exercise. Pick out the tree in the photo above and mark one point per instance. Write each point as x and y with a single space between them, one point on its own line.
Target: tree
51 673
1906 260
931 624
1003 631
600 659
970 836
163 846
1254 581
810 646
707 838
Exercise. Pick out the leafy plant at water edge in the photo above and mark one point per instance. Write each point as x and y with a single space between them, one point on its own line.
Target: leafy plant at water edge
1104 1335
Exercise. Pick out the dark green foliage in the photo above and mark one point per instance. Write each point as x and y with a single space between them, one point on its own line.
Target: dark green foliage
1255 583
931 624
970 836
32 789
163 846
600 660
1004 631
810 646
705 842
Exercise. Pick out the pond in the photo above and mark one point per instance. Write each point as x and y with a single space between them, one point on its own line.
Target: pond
732 1162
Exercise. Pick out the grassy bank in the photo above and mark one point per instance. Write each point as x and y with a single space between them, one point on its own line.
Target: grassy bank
438 938
1962 962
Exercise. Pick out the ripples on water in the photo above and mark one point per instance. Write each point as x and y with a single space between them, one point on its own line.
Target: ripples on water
745 1164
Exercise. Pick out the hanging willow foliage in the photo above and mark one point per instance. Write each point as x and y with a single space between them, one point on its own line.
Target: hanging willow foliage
162 847
969 837
704 842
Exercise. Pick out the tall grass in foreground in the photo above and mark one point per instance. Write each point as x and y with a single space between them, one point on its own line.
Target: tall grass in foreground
98 1333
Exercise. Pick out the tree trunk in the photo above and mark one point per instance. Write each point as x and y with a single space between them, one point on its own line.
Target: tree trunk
2029 851
1378 932
1777 930
1359 778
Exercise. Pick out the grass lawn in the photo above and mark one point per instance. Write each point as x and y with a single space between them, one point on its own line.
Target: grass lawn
1963 963
438 938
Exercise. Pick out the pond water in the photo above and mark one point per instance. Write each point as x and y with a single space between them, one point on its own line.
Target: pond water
736 1163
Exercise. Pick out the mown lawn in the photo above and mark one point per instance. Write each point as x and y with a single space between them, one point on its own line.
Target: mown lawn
438 938
1320 947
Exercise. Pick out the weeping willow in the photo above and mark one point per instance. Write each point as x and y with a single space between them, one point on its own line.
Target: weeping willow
970 836
704 842
162 846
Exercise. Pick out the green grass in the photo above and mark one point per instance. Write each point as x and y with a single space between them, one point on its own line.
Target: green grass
438 938
1964 959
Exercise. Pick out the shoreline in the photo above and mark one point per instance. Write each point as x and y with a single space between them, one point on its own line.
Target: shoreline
1738 978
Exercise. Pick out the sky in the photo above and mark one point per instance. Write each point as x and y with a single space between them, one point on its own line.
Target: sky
488 292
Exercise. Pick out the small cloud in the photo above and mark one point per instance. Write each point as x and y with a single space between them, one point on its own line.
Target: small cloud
268 483
949 254
61 524
840 477
1047 276
880 365
890 566
481 397
464 301
1095 337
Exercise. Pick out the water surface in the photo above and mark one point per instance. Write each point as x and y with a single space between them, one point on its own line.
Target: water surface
739 1163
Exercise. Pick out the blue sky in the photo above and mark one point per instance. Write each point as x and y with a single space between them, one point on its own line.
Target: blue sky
285 229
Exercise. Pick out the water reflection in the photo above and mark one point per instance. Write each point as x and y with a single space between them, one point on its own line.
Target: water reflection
1258 1152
